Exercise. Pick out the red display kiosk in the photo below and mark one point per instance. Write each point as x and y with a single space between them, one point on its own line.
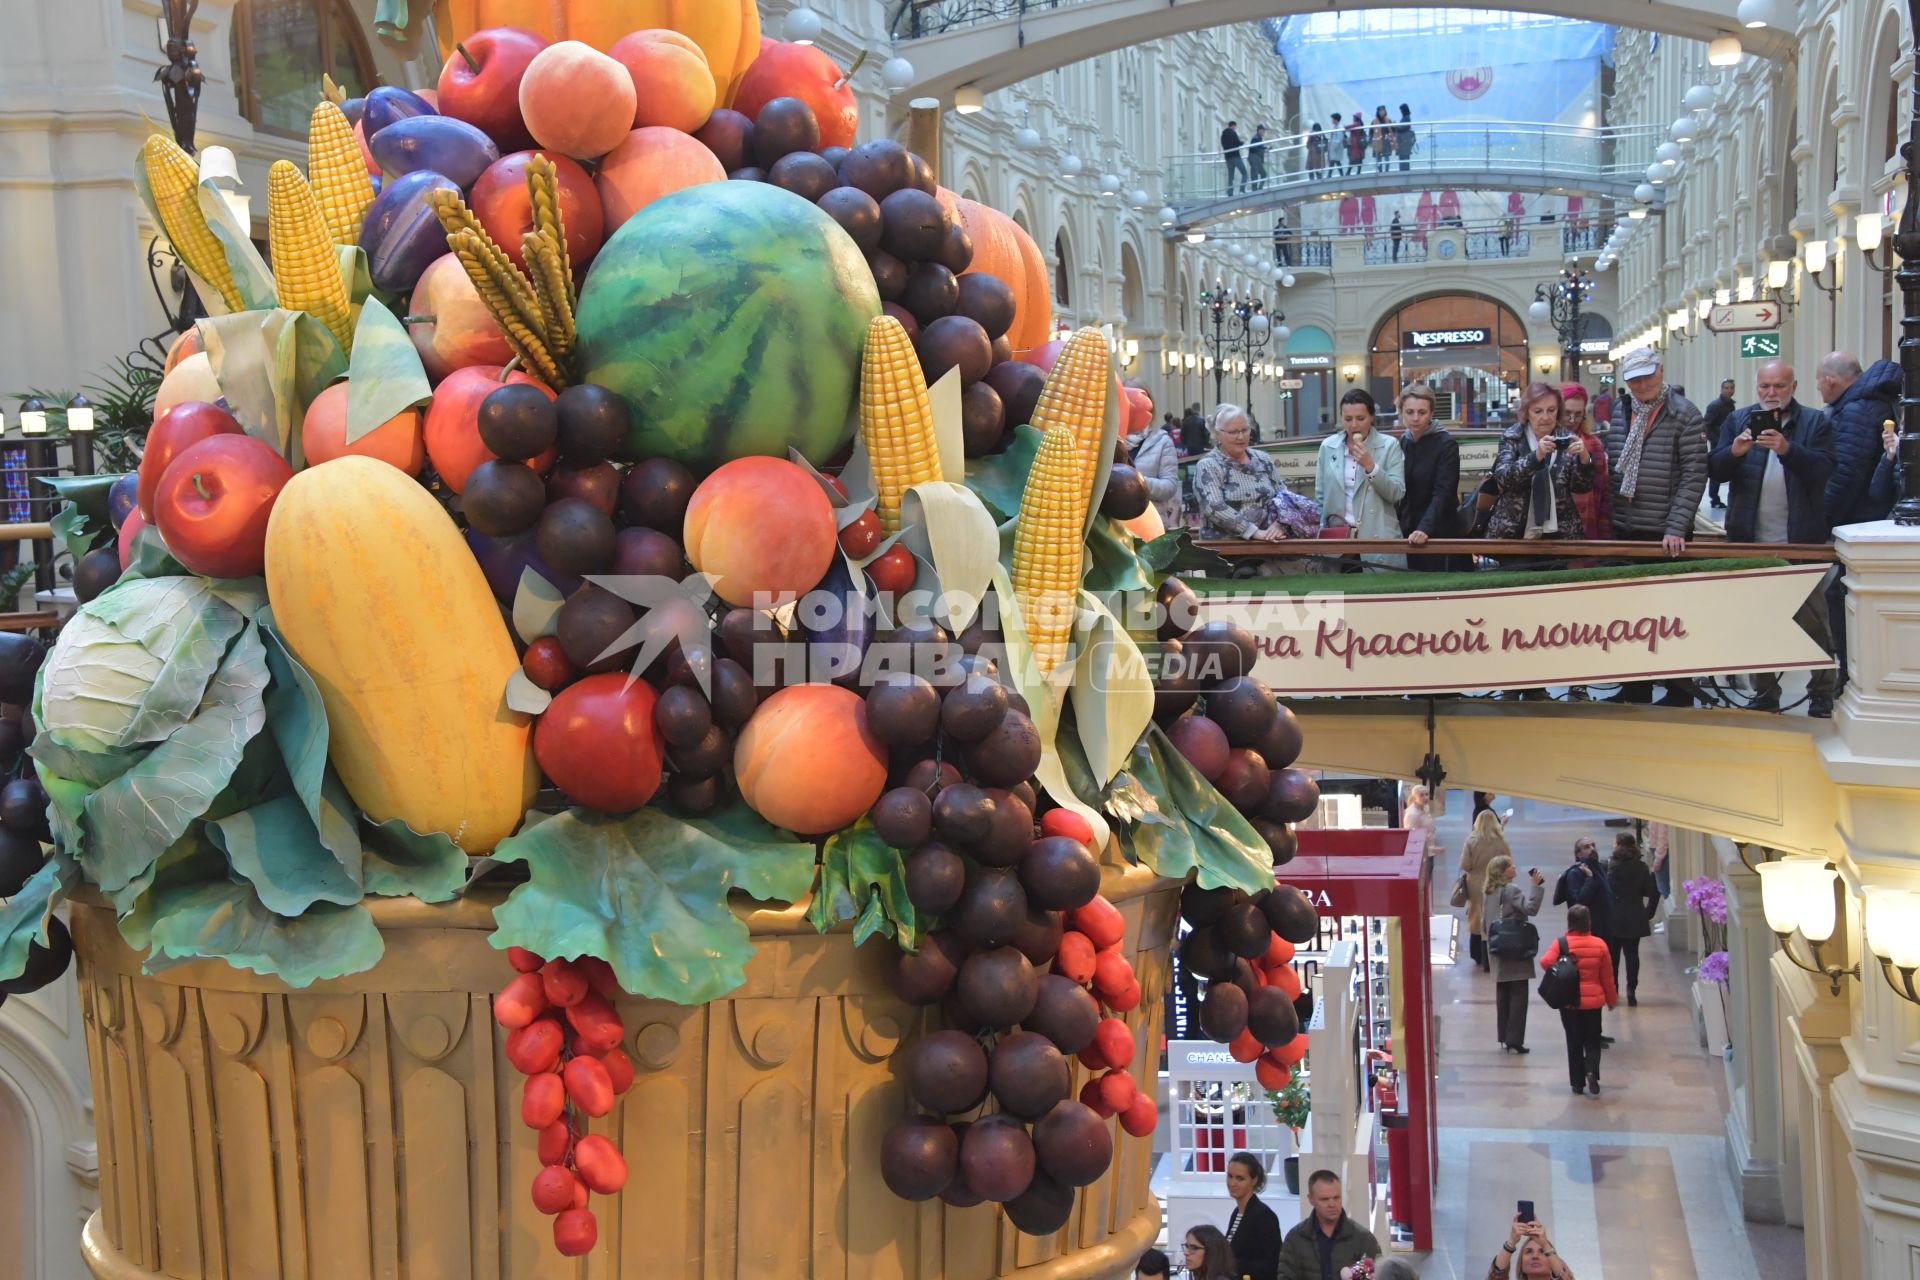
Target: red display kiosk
1378 877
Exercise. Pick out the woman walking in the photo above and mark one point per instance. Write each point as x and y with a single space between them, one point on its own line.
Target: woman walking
1507 908
1484 845
1382 132
1581 1019
1253 1230
1635 896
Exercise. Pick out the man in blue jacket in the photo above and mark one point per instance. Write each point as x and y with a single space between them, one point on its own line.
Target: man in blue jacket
1777 455
1859 403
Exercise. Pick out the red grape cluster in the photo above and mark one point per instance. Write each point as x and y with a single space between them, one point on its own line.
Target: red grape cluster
884 197
564 1036
1241 948
1026 962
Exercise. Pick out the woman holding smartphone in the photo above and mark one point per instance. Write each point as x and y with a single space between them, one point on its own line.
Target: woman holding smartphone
1528 1253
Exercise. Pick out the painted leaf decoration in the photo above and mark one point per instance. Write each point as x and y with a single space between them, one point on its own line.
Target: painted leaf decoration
384 374
961 543
1174 821
536 607
864 879
1001 478
1112 690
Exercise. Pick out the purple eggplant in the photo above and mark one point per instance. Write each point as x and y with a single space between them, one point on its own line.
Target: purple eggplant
439 143
120 498
836 618
387 104
352 108
402 235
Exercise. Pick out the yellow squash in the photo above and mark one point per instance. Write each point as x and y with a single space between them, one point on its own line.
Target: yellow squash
376 593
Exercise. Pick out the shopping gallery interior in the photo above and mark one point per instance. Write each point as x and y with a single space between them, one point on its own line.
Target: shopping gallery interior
1460 285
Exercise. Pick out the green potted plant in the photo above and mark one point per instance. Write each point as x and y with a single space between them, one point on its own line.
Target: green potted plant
1291 1107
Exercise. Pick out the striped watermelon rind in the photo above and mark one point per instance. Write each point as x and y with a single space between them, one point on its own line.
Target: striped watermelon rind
730 316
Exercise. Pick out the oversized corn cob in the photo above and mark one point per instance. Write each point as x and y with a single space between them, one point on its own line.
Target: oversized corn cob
306 269
1048 541
896 418
1075 397
337 172
174 179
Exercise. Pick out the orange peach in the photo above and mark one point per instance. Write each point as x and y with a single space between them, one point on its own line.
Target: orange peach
651 163
807 760
183 346
323 434
672 84
459 330
763 528
452 429
576 100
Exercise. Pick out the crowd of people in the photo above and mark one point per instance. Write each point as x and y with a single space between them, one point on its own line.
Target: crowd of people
1343 149
1252 1246
1636 469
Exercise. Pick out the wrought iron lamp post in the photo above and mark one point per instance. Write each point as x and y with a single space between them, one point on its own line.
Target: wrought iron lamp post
1241 326
1559 304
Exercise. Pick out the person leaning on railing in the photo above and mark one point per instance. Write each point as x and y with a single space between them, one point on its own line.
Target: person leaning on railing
1539 472
1360 477
1238 490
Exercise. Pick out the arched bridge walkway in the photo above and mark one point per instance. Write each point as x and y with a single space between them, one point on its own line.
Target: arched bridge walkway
990 44
1445 155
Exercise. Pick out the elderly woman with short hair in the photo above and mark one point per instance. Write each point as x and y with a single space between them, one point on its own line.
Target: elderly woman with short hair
1238 490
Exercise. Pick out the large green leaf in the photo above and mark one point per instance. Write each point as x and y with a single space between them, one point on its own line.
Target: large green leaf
23 917
1000 478
399 861
1112 564
135 817
1174 552
647 892
151 559
297 719
864 879
225 920
1173 820
273 847
384 374
188 862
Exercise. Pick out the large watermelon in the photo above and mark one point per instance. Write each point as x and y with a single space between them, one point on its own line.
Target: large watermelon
730 317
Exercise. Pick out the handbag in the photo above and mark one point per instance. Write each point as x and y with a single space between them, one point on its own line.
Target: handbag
1515 940
1560 986
1459 898
1477 511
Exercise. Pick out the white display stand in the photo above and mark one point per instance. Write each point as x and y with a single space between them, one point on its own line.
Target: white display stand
1341 1137
1216 1107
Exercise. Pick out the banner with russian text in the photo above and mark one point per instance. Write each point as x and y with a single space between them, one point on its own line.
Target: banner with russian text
1594 632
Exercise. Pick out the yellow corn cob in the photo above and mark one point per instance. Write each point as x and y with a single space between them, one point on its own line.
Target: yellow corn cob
1047 546
306 269
896 418
337 172
174 180
1075 397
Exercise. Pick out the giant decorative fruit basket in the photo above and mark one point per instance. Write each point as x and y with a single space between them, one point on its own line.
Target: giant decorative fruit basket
634 722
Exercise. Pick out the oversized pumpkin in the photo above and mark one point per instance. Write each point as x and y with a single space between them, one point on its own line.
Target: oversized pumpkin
1002 247
727 31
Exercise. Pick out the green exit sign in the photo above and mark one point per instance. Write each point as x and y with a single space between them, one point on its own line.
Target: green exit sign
1759 346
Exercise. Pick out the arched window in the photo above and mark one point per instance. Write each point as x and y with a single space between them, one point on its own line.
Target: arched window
1060 271
1464 345
280 50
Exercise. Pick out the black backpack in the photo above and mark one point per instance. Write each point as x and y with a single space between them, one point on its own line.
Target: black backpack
1560 985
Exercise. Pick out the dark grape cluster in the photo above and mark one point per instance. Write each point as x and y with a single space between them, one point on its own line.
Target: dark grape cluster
24 832
564 1036
1026 961
1236 966
884 197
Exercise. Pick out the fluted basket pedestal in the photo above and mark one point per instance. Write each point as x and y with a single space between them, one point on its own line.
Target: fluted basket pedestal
369 1127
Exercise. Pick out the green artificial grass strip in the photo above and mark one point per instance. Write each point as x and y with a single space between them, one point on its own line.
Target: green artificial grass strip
1391 581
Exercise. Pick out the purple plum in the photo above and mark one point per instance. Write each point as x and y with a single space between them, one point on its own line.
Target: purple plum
389 103
402 235
440 143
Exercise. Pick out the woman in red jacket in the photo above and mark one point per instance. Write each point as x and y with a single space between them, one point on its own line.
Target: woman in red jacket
1582 1020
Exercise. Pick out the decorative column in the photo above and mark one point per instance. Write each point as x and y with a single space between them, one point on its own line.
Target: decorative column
1753 1116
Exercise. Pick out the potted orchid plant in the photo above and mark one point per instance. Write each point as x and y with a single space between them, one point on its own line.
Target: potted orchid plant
1707 898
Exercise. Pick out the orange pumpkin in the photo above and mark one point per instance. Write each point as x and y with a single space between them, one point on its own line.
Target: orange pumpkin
727 31
1001 247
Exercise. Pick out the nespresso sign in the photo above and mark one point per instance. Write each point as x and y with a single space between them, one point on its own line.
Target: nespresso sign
1421 339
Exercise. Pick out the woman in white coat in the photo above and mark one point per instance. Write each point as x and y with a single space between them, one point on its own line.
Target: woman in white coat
1361 477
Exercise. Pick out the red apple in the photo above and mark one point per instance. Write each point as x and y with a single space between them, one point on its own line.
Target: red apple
502 204
173 432
481 83
805 72
213 503
452 428
598 743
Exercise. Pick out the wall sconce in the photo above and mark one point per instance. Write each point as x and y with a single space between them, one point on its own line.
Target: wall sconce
1132 349
1544 364
1743 289
1800 893
1351 372
1704 308
967 99
1814 254
1868 230
1892 928
1778 272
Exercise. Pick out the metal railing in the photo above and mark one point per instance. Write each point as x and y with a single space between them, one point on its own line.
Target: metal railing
910 19
1296 162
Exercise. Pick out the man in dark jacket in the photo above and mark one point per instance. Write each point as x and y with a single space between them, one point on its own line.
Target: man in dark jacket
1657 471
1230 147
1585 884
1193 433
1327 1240
1431 504
1777 454
1713 415
1859 405
1635 898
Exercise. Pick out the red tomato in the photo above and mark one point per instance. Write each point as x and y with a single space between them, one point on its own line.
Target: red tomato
862 536
598 743
893 570
173 432
212 505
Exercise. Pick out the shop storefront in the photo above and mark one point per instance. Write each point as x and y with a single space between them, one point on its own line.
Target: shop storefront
1308 408
1471 350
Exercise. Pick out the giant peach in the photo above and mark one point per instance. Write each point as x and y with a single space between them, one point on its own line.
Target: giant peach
807 760
576 100
672 83
323 434
455 329
191 379
650 163
763 529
